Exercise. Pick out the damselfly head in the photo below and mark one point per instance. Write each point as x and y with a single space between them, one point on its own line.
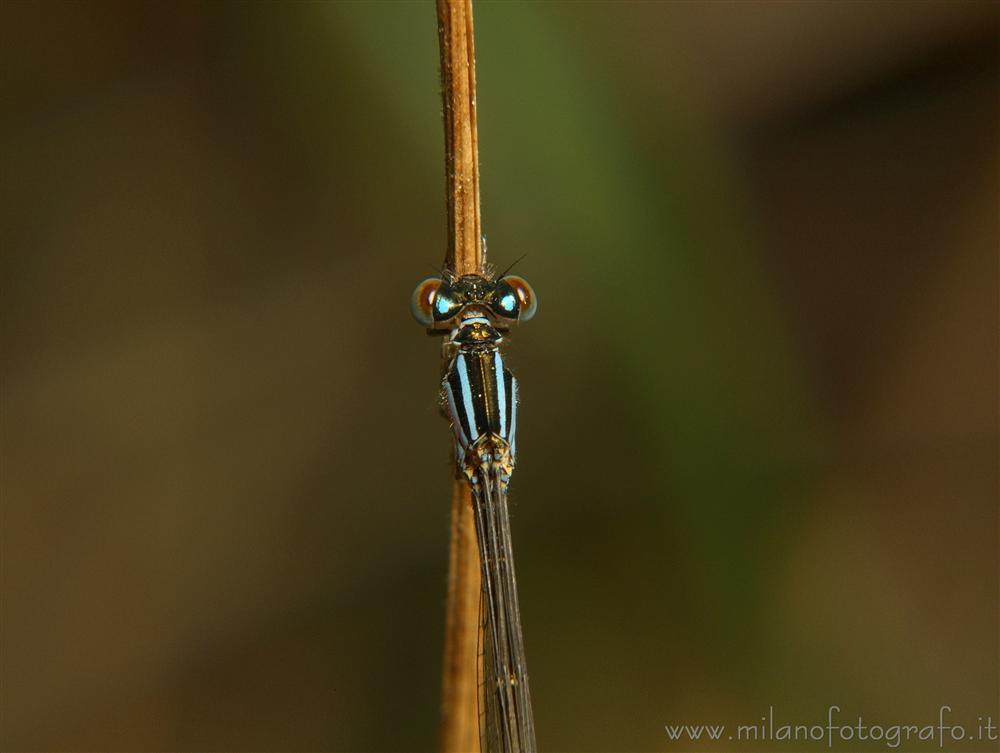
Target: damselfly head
436 301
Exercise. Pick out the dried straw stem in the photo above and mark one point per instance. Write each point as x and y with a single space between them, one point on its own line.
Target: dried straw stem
459 694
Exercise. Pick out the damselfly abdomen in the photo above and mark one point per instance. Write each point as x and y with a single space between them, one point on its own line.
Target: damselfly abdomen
480 399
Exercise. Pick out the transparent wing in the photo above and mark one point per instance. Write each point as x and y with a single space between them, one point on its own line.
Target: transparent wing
507 725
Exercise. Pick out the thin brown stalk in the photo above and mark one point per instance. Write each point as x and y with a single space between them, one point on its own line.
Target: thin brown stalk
461 141
459 694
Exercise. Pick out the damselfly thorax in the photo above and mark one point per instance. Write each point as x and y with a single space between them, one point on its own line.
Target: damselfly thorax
480 399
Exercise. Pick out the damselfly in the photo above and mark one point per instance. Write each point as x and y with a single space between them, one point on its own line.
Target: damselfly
480 399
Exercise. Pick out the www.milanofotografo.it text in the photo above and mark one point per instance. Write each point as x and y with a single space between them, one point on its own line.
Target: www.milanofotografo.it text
837 730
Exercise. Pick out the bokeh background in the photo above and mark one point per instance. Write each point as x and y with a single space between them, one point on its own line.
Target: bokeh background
758 439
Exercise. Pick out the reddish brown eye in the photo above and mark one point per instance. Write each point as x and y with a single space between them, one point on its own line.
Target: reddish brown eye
525 296
422 302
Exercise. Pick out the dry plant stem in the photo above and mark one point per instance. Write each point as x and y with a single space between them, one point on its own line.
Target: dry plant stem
459 693
461 142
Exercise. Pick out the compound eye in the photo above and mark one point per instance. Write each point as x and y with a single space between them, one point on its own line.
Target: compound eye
446 304
504 301
424 299
526 302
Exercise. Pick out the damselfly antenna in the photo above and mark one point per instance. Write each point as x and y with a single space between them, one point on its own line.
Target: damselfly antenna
517 261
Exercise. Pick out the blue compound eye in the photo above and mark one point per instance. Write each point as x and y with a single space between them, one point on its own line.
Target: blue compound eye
514 299
427 301
444 305
433 301
504 301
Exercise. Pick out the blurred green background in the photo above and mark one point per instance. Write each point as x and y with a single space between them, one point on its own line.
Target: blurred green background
758 435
